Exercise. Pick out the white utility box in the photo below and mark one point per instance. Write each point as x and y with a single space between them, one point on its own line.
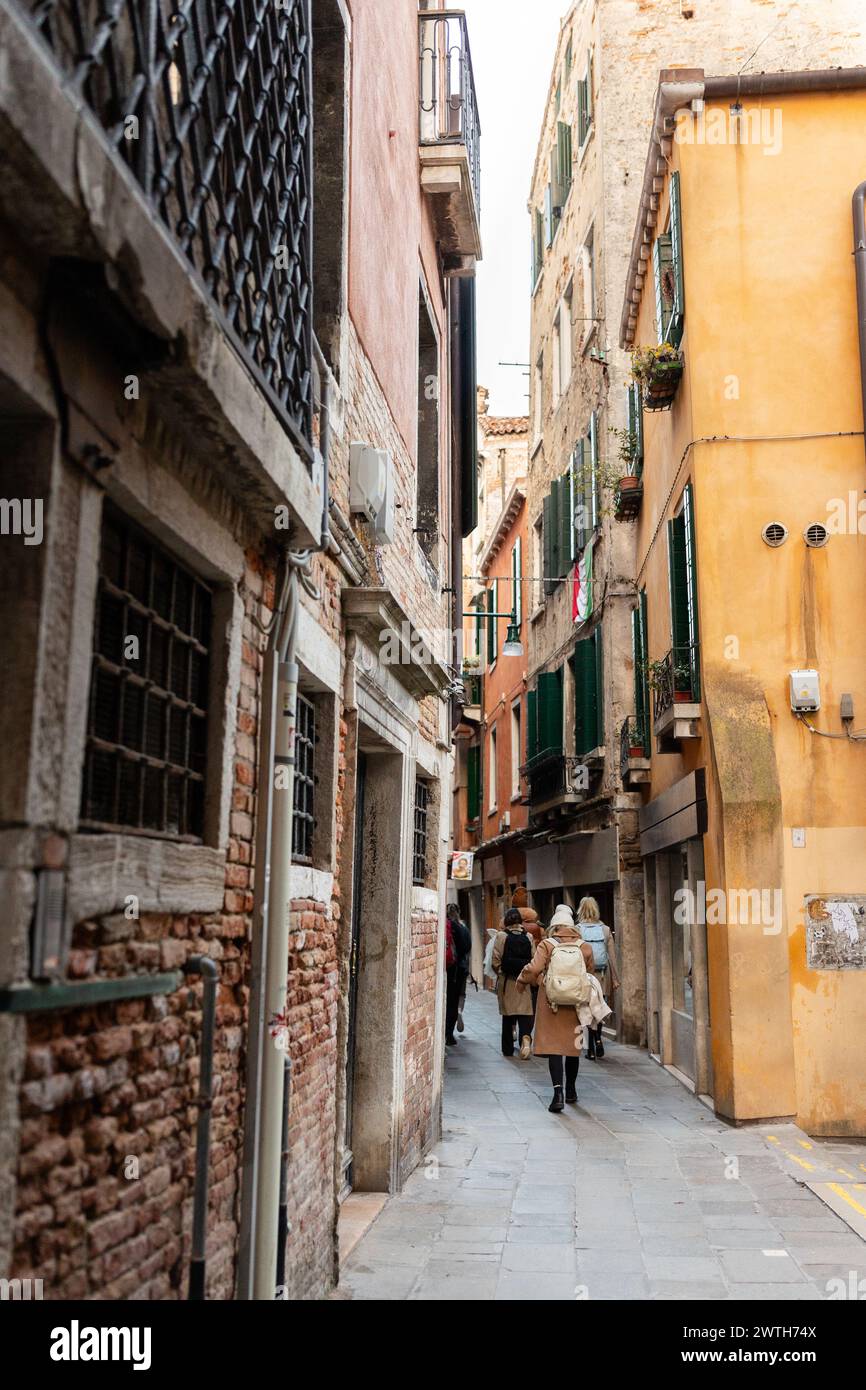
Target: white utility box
805 692
371 489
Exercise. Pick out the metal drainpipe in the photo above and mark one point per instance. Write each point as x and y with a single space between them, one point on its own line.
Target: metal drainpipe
271 1150
859 211
204 966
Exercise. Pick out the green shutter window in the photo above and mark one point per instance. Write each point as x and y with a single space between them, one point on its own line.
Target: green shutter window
675 328
548 216
547 542
582 125
635 428
479 628
558 95
692 588
563 151
556 508
589 107
538 245
568 61
473 797
516 581
491 625
549 710
641 675
586 664
531 725
594 499
566 525
599 687
663 275
582 517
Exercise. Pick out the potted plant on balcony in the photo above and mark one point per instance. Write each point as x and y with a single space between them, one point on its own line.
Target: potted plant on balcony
628 487
658 370
661 673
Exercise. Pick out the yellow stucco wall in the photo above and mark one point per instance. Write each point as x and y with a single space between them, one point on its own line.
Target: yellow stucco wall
771 351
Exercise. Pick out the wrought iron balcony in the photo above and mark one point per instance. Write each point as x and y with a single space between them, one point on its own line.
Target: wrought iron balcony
677 695
634 751
209 106
449 130
556 778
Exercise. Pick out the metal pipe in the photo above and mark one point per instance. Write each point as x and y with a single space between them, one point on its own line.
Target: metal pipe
283 1222
859 212
204 966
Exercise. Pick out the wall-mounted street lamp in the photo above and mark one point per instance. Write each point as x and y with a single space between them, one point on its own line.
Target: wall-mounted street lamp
512 646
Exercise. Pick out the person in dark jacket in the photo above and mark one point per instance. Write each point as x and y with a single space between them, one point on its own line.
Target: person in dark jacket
512 950
457 972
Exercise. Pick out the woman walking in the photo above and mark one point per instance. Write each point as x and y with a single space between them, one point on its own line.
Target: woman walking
562 960
512 949
599 936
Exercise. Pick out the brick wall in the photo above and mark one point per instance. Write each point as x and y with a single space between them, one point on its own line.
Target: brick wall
419 1119
109 1093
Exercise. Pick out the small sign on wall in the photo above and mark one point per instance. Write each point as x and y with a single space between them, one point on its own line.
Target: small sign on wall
461 865
835 931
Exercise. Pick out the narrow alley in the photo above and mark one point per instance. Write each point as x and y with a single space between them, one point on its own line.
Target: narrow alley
637 1192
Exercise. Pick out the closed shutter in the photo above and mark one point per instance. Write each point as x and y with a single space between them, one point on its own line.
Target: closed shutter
589 108
566 528
548 215
550 711
675 330
586 664
473 798
479 629
692 588
679 595
547 543
531 724
582 123
563 151
641 682
556 501
635 428
491 625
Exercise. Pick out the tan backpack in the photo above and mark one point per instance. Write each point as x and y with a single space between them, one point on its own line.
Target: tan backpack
566 982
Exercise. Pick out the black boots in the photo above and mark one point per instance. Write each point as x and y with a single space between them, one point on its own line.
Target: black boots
557 1104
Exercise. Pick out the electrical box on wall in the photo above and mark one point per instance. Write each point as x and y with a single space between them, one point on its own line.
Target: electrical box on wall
371 489
805 692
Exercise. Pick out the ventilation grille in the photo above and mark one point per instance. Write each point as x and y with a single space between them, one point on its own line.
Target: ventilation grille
774 533
815 535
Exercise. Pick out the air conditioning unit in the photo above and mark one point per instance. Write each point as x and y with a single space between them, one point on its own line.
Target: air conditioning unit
371 489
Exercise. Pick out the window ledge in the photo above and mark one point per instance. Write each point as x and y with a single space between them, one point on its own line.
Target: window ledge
105 870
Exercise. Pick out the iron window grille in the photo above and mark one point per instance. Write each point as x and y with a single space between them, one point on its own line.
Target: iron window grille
303 820
144 769
209 106
419 843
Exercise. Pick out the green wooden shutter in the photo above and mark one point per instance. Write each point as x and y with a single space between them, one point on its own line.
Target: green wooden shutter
566 529
547 542
473 798
479 629
548 216
580 501
675 330
679 582
550 711
531 724
595 500
635 428
589 108
644 671
563 157
586 664
491 625
692 586
556 526
581 112
599 686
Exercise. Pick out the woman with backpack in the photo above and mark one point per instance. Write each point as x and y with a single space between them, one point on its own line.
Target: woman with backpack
600 937
512 950
563 960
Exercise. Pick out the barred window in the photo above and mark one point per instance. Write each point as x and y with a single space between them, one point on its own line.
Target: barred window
419 844
304 822
147 720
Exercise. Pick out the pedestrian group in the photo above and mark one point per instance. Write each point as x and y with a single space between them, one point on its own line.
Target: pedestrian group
554 988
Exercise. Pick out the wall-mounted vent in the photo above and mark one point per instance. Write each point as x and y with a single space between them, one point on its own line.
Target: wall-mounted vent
815 535
774 533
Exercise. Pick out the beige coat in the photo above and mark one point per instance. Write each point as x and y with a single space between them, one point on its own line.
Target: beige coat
553 1035
512 999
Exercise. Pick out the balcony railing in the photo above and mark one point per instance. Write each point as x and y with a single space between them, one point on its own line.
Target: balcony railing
209 106
552 775
633 743
448 105
677 679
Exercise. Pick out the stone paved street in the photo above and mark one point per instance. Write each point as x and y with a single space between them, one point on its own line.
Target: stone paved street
638 1192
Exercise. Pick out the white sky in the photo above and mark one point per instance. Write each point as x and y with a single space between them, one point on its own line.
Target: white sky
513 44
